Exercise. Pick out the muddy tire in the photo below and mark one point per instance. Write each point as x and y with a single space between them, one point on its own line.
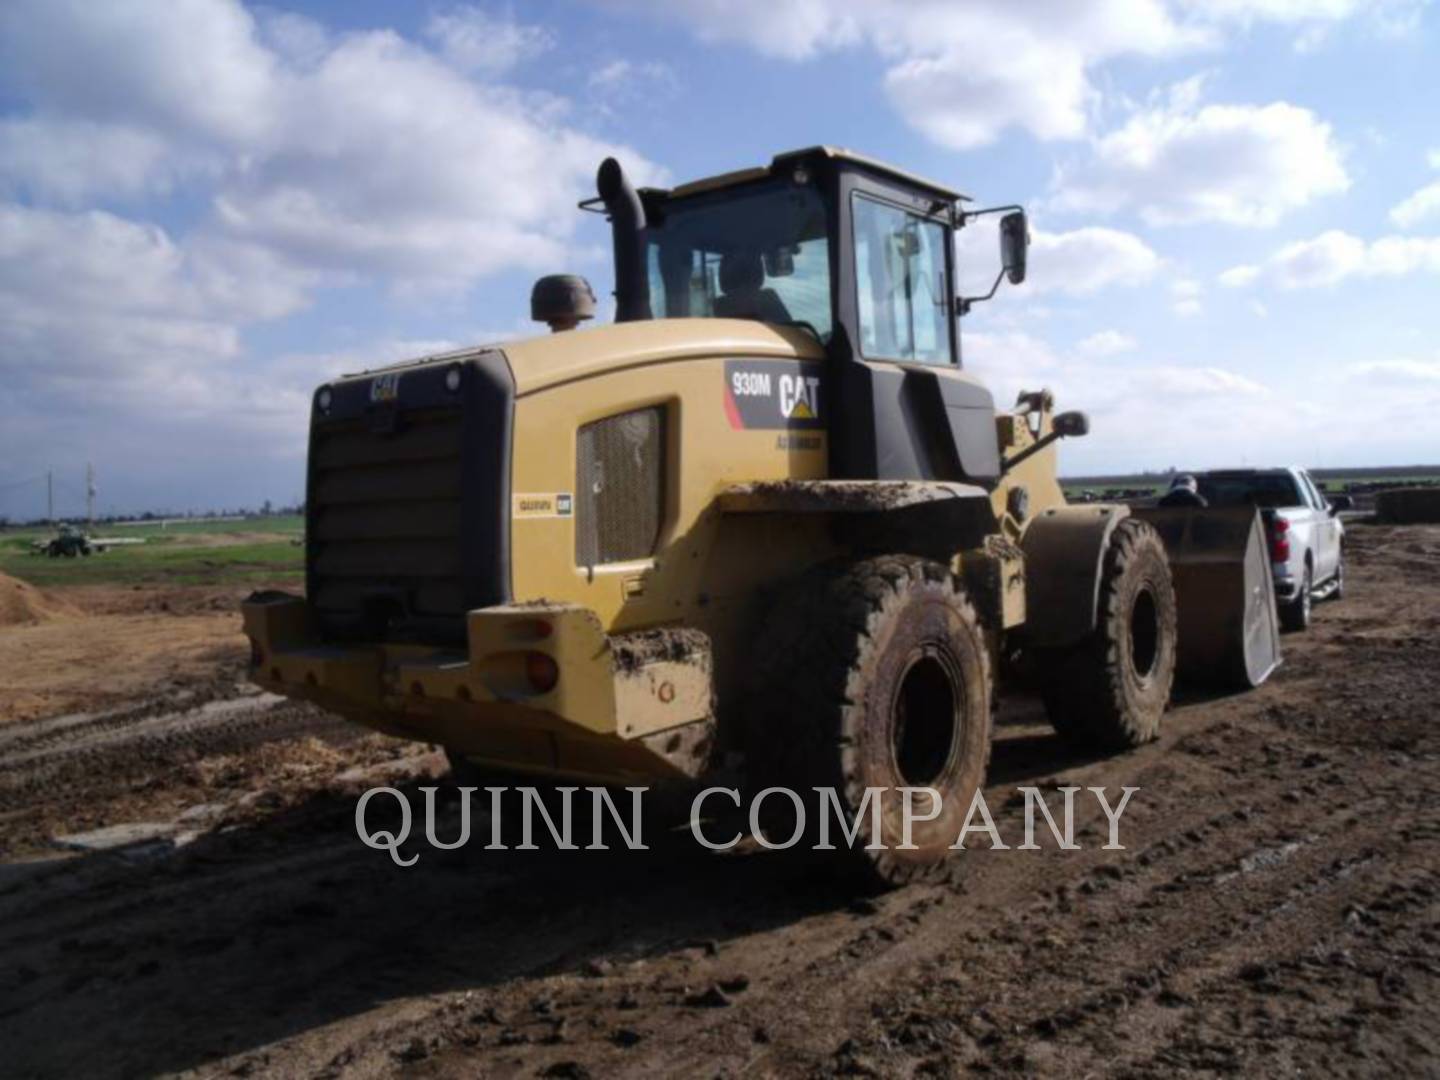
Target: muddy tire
872 675
1295 616
1110 692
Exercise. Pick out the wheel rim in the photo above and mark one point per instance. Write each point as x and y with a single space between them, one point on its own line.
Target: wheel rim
927 722
1144 634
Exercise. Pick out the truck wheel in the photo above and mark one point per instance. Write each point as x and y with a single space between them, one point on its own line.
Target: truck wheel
1110 691
1337 592
1295 616
872 677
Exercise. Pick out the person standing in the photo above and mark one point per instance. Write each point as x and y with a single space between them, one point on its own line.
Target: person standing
1184 491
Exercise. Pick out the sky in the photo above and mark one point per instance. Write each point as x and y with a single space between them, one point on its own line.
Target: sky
208 208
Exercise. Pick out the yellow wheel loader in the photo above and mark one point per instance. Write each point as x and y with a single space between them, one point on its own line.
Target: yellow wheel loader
766 518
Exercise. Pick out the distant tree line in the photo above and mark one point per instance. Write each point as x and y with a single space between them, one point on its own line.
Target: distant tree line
264 510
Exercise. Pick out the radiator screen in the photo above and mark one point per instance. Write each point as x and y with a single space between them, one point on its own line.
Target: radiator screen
619 488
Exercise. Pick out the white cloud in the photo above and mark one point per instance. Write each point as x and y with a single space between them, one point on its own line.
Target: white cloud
1179 162
627 77
298 39
1422 373
1202 381
1421 206
1150 411
70 161
1186 293
1274 10
310 159
1314 20
1334 256
1106 343
1087 260
1173 412
189 69
1078 262
1239 276
95 295
472 40
961 74
435 180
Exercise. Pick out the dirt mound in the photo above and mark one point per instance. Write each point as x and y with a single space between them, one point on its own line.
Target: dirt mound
22 604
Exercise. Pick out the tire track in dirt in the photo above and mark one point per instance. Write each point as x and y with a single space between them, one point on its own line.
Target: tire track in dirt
1276 912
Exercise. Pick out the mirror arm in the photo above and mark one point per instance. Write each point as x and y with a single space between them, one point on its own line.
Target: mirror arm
966 215
1030 451
966 301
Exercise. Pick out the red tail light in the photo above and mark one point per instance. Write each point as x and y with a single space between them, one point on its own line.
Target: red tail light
541 671
1279 540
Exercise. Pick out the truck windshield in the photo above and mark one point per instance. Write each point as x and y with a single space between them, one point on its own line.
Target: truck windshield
761 253
1251 489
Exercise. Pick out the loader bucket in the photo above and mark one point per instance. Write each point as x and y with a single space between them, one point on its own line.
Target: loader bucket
1228 634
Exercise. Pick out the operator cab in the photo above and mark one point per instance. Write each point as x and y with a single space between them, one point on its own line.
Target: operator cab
854 252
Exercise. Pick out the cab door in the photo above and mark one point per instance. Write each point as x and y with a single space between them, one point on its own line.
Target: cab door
1327 531
907 410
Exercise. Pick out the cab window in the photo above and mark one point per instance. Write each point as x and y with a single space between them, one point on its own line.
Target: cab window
900 277
760 254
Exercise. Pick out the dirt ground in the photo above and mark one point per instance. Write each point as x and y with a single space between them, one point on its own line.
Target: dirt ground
101 647
1276 912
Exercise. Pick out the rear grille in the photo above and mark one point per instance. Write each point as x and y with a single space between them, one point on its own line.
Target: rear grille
620 487
385 523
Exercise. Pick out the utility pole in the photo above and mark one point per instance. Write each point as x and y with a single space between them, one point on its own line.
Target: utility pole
90 493
50 496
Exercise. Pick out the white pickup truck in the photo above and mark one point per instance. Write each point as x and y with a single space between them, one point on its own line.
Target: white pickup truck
1307 553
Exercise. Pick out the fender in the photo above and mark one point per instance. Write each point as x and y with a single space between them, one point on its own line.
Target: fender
933 518
1064 555
842 496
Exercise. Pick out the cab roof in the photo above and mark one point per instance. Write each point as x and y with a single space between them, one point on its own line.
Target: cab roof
791 158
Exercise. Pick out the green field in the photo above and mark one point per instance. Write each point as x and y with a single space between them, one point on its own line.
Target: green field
179 553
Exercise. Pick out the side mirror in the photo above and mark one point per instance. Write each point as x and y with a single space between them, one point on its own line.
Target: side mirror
1339 503
1014 242
1070 425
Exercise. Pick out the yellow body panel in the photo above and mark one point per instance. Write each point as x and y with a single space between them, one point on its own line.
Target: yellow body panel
609 717
542 362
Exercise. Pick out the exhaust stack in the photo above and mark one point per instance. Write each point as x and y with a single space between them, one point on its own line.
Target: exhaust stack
627 226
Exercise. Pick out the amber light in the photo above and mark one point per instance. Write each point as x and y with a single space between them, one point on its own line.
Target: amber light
541 671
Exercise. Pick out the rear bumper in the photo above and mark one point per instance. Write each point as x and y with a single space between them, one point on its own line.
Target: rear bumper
1287 587
622 708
